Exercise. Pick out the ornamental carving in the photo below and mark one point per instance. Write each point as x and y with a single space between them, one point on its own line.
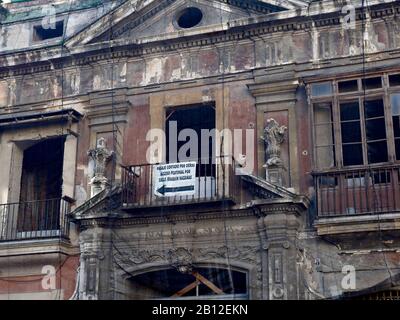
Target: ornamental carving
100 156
274 136
182 258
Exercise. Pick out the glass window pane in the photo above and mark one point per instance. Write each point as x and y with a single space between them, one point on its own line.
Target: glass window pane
321 89
396 126
394 80
352 154
325 157
395 101
351 132
374 108
375 129
377 152
348 86
372 83
349 111
397 143
323 135
322 113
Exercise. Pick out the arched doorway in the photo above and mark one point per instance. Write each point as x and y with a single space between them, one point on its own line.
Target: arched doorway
198 283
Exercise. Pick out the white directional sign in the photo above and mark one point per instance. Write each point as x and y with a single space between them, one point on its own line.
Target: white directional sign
175 179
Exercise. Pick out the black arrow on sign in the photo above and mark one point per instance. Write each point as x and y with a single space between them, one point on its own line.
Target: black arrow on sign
163 190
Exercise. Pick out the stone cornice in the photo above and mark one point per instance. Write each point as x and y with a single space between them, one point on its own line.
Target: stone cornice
125 220
30 247
56 58
330 226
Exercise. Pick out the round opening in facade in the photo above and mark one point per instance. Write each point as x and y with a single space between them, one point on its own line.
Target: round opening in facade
189 18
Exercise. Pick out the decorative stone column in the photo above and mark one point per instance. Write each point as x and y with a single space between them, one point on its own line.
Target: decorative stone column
101 155
281 227
273 137
95 274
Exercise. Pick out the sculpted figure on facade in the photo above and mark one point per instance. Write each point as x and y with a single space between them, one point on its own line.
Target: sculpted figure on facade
100 156
274 136
12 92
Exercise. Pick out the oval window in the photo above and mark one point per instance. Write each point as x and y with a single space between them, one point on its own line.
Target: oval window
189 18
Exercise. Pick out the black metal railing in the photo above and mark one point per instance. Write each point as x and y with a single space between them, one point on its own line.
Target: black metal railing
213 182
360 191
34 220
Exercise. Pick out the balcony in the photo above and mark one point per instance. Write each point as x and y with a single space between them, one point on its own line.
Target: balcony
211 183
358 200
361 191
34 220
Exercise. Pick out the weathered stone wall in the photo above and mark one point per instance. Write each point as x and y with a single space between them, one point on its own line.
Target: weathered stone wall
250 79
279 48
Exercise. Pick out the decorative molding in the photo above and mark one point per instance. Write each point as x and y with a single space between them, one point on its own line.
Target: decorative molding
100 155
131 50
129 258
274 136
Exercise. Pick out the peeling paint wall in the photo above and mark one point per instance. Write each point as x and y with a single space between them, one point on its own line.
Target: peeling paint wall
249 79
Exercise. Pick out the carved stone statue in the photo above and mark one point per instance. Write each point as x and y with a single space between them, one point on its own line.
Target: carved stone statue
12 93
274 136
100 156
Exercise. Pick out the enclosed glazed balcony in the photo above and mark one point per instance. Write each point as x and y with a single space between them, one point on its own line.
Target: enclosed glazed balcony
34 220
155 185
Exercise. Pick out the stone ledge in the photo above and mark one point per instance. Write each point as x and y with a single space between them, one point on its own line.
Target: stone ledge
43 246
360 223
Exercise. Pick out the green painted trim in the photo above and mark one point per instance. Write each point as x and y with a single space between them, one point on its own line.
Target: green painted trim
37 13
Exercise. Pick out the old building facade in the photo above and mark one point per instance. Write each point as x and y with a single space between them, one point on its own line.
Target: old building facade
295 190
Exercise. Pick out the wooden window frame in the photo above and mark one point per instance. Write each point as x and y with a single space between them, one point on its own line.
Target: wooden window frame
335 99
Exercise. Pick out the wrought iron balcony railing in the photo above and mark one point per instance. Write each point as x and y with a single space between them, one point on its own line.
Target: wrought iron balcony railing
358 191
34 220
212 182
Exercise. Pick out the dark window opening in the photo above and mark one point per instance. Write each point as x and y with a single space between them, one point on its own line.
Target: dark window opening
372 83
171 283
394 80
352 155
41 33
349 111
200 119
348 86
189 18
41 186
377 152
395 102
397 146
374 108
351 134
375 130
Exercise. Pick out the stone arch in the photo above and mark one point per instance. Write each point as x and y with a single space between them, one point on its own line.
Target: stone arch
122 276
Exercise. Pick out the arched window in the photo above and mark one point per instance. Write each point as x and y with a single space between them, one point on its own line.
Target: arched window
208 283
